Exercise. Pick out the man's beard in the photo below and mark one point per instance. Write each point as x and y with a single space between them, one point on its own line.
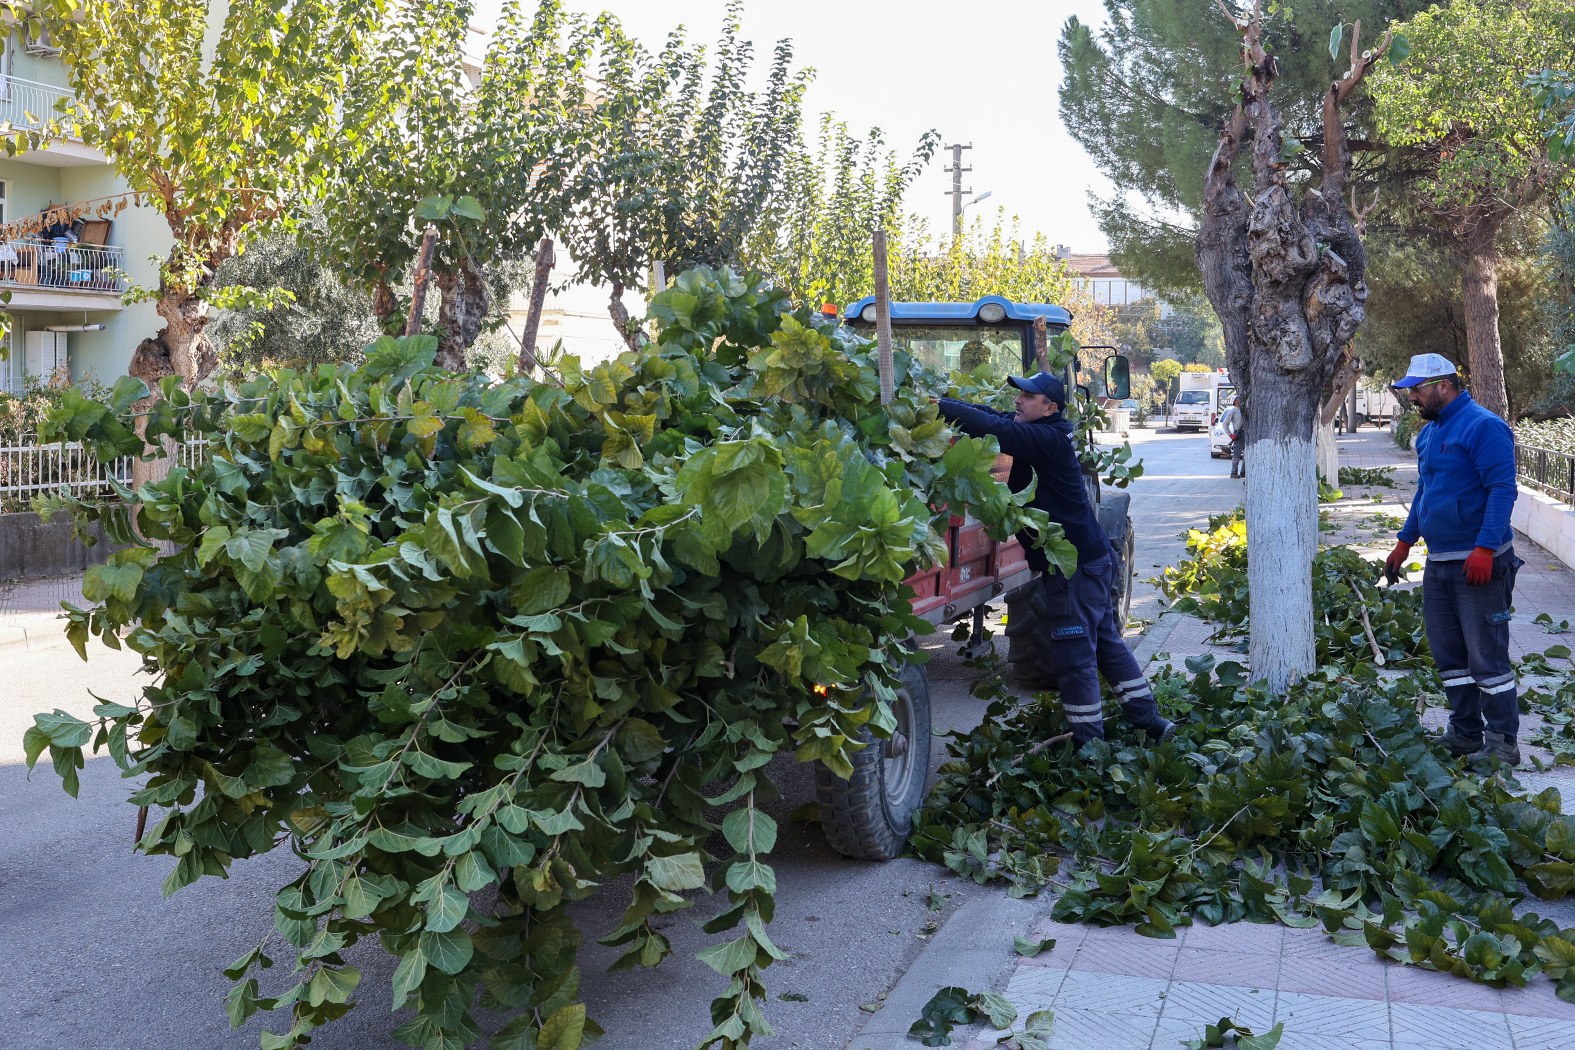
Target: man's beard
1428 414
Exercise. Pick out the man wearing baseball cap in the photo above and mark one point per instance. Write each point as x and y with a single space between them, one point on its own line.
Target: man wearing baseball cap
1465 492
1077 613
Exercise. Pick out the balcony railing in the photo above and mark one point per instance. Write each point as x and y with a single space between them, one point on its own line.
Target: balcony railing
29 104
55 264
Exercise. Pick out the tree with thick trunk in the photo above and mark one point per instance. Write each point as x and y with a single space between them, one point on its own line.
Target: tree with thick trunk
221 146
1285 275
1461 105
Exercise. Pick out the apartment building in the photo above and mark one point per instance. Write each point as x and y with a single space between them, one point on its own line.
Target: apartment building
66 281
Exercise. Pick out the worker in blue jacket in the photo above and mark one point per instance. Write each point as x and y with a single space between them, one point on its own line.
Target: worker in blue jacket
1466 460
1077 613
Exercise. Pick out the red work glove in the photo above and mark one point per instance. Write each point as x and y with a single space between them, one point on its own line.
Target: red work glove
1394 565
1479 566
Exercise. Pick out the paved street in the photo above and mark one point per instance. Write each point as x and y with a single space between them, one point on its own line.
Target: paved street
89 945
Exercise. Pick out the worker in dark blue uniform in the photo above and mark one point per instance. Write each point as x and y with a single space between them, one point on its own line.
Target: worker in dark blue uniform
1077 613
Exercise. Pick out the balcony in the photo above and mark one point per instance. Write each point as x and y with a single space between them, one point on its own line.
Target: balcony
54 269
29 105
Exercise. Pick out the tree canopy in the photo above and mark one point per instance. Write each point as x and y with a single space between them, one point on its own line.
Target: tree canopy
222 146
682 170
1148 94
1477 136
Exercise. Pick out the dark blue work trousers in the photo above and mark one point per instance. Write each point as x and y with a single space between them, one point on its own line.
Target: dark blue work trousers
1468 630
1078 617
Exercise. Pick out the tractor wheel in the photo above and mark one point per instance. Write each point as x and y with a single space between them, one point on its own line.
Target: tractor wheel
870 815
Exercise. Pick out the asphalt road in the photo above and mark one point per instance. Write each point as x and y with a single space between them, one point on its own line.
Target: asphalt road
92 955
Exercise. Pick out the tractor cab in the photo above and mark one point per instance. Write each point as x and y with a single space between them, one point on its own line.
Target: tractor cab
870 815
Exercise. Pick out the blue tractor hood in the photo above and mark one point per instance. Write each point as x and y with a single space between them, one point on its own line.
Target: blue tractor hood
964 313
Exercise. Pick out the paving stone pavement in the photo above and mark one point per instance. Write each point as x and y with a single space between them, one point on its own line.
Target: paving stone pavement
30 614
1112 989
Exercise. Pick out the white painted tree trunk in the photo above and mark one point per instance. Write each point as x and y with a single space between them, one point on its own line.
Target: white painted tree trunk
1282 537
1328 453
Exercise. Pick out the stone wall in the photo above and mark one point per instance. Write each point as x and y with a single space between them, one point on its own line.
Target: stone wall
31 547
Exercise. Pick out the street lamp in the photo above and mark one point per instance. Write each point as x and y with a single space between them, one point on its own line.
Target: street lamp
979 198
957 216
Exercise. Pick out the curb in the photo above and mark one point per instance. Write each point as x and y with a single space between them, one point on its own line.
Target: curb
1156 637
972 949
30 637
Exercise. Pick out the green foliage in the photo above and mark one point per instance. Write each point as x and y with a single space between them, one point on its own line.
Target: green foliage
1462 97
1241 1037
491 164
1407 427
1259 800
993 259
817 243
1554 91
690 180
1380 476
320 318
222 127
1557 435
954 1006
1356 621
454 642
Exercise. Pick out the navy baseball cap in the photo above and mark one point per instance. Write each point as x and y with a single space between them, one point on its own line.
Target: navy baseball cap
1041 383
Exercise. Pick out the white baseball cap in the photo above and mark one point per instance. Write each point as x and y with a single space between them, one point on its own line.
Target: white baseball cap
1424 367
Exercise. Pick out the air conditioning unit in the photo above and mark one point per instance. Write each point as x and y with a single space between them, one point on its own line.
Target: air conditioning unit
41 46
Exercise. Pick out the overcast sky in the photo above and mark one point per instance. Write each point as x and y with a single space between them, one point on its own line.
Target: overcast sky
984 72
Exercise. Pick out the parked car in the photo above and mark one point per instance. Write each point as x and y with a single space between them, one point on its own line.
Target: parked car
1219 442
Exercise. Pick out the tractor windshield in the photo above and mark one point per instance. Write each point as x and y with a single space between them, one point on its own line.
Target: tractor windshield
959 348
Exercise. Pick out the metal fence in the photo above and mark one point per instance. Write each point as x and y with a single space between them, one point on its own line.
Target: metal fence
1546 471
29 468
55 263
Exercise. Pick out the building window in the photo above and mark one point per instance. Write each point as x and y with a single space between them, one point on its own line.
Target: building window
5 202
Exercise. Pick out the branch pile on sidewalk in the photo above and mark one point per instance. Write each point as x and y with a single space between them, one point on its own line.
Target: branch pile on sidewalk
1330 806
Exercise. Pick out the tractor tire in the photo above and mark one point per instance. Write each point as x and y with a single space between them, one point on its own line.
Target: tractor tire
869 816
1117 523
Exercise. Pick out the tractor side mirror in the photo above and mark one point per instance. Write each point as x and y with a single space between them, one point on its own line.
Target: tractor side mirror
1118 377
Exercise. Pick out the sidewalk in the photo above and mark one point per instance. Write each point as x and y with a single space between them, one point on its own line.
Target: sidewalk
30 613
1112 989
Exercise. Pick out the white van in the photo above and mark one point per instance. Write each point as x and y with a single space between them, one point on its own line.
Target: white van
1201 400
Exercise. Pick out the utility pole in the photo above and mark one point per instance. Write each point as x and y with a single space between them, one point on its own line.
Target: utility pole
956 192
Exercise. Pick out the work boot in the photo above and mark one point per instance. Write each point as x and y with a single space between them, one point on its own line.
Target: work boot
1162 731
1496 747
1459 744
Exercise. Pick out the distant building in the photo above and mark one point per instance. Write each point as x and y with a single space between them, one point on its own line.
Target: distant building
66 279
1098 276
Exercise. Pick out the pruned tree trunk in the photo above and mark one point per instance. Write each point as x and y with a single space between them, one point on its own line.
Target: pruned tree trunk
538 301
628 329
385 304
181 348
1479 287
1342 386
1286 278
466 302
1327 451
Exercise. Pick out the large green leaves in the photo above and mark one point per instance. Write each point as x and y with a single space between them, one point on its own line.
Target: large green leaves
442 638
